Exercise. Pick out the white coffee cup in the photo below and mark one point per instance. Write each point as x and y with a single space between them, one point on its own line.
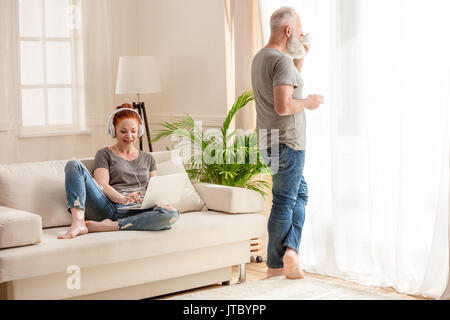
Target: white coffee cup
306 39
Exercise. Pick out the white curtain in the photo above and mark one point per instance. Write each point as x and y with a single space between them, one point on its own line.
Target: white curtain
248 41
98 56
8 63
377 155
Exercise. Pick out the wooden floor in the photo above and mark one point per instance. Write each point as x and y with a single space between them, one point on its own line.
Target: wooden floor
257 271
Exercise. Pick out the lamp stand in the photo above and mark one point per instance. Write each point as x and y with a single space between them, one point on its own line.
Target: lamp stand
140 106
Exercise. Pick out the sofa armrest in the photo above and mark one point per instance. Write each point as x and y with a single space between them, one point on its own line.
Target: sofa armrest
19 228
230 199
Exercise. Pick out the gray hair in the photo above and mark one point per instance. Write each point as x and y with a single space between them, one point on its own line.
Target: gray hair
285 16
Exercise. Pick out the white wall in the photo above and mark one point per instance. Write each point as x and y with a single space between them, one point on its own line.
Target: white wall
124 43
188 40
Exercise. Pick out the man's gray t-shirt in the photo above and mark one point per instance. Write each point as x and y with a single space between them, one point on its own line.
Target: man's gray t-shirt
271 68
121 177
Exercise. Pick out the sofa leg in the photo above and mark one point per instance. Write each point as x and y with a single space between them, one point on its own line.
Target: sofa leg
242 273
226 283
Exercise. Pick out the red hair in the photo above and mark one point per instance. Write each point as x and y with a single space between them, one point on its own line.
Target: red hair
125 114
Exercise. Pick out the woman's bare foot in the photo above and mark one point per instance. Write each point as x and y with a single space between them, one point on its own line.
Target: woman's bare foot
274 272
291 265
102 226
75 230
78 226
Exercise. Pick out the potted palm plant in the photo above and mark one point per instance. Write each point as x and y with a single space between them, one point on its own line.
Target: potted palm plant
220 156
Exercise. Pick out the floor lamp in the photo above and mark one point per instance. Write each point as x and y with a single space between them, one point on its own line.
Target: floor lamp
138 75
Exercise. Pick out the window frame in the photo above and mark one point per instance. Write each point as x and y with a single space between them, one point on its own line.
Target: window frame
46 128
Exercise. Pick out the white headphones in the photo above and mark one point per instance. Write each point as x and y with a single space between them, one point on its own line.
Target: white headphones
110 125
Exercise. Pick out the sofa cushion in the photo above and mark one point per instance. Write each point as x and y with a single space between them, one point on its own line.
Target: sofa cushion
192 231
230 199
19 228
36 187
190 199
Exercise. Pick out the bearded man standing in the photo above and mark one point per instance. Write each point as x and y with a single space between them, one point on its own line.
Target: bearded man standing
281 126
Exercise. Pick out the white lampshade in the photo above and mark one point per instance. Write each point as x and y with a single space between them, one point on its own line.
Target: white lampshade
137 75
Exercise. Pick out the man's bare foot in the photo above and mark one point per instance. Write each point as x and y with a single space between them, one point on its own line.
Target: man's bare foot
292 268
76 229
274 272
102 226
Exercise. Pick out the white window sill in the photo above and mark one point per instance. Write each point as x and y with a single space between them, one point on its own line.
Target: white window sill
53 133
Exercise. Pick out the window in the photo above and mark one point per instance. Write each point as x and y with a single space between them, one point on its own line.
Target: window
378 162
49 66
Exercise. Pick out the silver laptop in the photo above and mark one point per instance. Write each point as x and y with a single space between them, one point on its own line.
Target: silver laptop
161 190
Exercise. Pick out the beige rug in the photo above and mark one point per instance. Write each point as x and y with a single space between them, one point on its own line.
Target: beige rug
280 288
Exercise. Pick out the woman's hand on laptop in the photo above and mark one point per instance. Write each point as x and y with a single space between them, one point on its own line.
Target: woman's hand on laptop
134 197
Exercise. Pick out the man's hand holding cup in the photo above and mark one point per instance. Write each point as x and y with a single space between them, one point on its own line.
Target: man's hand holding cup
314 101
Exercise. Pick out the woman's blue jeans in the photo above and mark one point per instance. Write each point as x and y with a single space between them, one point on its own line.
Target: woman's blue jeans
290 196
83 192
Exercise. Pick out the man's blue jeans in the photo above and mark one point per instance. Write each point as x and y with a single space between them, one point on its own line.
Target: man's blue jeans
290 196
83 192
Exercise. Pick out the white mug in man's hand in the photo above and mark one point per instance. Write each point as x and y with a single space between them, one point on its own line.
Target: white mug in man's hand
306 39
314 101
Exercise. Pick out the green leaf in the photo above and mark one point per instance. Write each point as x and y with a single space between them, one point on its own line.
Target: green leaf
220 156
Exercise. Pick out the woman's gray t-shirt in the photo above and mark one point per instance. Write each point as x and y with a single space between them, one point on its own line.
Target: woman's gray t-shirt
121 176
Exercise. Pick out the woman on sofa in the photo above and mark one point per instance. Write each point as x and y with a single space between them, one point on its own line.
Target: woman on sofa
121 174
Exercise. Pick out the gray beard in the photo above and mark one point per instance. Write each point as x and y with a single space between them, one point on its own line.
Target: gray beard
295 47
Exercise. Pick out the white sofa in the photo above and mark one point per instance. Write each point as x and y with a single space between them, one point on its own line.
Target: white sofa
200 248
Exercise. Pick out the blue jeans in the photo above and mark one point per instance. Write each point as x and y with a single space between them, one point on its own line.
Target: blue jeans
83 192
290 196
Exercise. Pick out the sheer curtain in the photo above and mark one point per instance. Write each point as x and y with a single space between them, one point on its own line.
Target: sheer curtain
8 65
244 40
377 155
248 41
98 56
